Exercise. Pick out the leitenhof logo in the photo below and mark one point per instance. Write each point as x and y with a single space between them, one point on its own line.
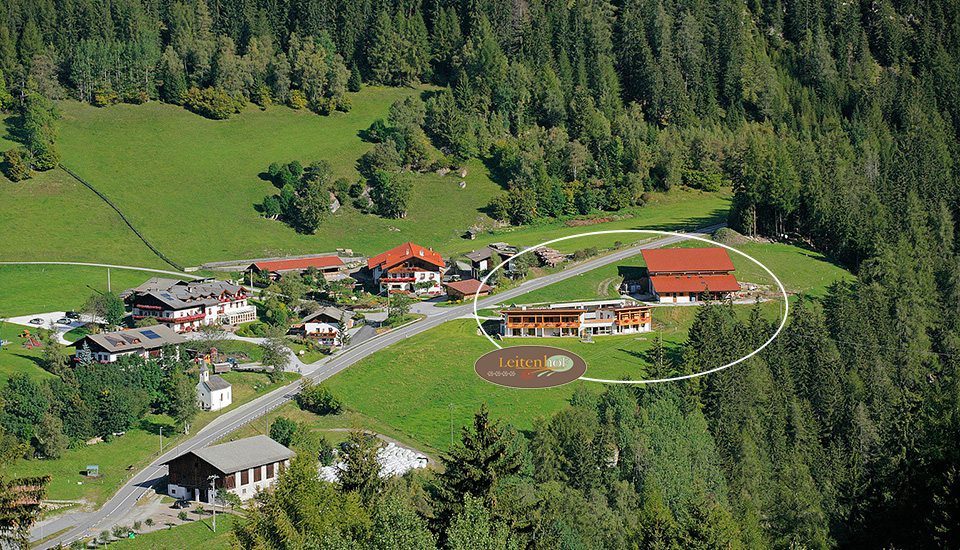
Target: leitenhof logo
530 367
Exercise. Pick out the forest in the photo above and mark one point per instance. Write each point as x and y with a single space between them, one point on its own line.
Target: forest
835 123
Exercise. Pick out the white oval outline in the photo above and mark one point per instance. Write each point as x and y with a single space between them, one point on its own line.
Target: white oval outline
783 291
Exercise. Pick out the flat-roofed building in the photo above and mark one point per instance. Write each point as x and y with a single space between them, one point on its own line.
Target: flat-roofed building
577 319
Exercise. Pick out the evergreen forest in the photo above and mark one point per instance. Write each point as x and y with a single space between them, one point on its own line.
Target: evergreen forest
835 123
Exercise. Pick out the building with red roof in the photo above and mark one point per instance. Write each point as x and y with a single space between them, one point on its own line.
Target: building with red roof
467 290
408 268
327 265
684 274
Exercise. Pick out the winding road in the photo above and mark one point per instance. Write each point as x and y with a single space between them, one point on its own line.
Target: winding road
85 525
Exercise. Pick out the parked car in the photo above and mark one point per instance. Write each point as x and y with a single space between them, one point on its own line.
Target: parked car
65 320
181 503
36 321
72 315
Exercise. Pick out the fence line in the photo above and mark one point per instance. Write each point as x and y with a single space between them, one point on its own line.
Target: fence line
130 225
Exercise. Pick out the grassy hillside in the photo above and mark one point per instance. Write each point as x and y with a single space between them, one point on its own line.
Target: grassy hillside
411 386
195 534
182 178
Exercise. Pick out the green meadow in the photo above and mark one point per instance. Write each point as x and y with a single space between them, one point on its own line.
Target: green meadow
415 389
196 534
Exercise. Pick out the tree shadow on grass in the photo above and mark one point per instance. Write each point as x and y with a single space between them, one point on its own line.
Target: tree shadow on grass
151 425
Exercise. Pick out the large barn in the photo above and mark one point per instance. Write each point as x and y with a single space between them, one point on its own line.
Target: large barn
686 274
241 467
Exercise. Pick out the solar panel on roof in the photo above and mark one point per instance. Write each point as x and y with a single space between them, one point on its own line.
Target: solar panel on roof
167 296
150 334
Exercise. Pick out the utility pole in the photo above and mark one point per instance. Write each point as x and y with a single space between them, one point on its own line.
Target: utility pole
161 439
108 280
213 499
451 407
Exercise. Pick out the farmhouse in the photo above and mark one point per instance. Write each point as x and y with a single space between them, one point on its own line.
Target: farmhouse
323 325
466 290
328 266
683 274
578 319
489 257
185 306
240 467
408 267
213 392
146 342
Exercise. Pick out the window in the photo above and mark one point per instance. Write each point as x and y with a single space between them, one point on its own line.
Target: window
270 470
257 473
244 477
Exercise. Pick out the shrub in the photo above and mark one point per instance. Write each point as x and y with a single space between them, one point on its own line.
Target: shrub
318 398
137 525
14 165
104 98
46 157
212 103
323 105
136 97
354 83
344 103
149 522
261 96
297 100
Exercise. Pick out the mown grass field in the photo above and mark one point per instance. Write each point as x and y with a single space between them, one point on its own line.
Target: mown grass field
194 534
410 387
182 178
27 289
17 359
136 447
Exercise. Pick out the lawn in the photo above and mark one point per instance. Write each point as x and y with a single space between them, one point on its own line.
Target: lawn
412 386
194 534
137 447
27 289
163 165
17 359
181 179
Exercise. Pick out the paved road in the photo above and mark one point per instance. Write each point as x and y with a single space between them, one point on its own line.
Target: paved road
141 484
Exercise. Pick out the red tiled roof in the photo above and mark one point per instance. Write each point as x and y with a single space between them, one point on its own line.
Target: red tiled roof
695 283
469 287
673 260
402 253
283 265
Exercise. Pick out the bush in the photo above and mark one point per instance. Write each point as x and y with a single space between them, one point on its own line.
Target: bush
136 97
318 398
212 103
297 100
354 83
46 157
344 104
149 522
104 98
15 166
323 106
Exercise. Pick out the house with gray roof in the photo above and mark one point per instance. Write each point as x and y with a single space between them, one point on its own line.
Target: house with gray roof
184 306
146 342
241 467
213 392
324 325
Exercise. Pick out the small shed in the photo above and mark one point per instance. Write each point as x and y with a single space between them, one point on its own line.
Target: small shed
467 290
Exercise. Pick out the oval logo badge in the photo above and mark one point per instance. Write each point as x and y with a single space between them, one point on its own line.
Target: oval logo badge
530 367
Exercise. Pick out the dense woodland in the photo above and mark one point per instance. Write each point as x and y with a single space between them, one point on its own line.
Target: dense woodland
834 122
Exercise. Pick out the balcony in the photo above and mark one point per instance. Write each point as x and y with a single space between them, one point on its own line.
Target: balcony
398 280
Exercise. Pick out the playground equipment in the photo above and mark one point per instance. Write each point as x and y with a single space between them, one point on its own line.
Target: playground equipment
30 340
